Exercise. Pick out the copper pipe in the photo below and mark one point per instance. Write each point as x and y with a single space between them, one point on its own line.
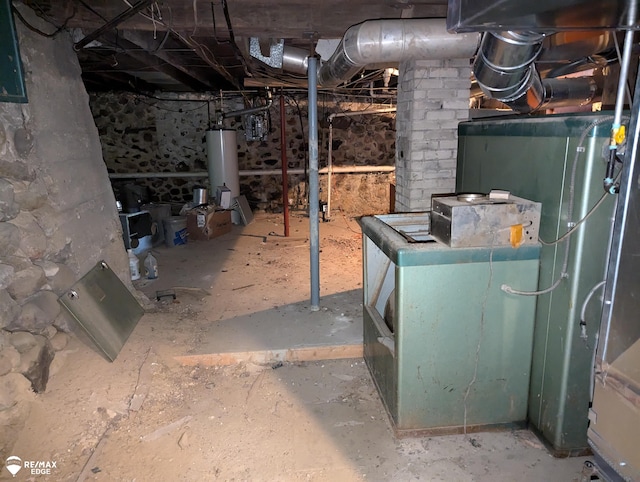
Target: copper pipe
283 155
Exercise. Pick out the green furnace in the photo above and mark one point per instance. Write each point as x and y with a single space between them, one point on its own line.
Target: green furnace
533 158
449 351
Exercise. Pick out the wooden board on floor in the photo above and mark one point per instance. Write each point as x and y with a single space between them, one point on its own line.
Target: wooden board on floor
311 353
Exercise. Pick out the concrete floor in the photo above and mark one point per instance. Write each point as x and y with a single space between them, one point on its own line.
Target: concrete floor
161 412
263 335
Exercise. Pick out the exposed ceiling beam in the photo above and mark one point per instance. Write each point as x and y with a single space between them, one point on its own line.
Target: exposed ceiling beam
134 51
172 59
205 54
250 18
112 24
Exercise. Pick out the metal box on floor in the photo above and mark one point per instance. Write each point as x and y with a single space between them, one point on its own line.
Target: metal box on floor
136 231
454 352
533 158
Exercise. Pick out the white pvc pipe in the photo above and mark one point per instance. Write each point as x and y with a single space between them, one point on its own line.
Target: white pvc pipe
324 170
150 175
383 110
358 169
256 172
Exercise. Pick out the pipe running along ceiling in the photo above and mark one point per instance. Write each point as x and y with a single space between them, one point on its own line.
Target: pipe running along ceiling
504 65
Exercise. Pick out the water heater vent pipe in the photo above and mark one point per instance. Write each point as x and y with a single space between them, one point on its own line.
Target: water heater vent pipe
250 110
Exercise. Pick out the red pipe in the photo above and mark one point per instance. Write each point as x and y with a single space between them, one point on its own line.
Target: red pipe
285 180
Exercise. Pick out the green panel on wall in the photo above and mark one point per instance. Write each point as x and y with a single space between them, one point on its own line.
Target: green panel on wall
12 87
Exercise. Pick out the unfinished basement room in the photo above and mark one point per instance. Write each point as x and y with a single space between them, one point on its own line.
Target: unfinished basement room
375 240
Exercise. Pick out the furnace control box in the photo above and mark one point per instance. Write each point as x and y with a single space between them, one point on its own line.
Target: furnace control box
478 220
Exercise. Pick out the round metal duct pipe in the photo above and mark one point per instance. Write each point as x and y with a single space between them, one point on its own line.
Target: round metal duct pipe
295 60
504 65
567 92
552 93
391 41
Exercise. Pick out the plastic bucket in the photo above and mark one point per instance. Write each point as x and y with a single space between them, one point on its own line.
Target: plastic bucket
175 230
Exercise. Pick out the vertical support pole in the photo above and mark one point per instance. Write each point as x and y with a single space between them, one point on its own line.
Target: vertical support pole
329 167
283 157
314 188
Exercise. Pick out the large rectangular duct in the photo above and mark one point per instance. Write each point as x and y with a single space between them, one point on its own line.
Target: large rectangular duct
541 15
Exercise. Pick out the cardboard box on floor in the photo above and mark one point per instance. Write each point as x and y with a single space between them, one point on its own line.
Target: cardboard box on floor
205 223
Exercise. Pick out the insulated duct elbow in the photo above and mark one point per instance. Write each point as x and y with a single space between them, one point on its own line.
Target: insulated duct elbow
391 41
504 65
505 71
553 93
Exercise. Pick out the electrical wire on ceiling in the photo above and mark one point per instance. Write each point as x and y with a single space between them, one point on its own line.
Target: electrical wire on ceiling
376 104
281 81
355 92
361 84
155 26
119 49
215 28
364 77
203 51
345 96
53 34
227 18
195 17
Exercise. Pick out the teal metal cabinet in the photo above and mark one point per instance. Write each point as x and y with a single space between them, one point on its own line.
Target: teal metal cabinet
457 355
533 158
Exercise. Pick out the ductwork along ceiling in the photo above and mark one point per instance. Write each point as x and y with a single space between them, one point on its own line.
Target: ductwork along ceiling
521 60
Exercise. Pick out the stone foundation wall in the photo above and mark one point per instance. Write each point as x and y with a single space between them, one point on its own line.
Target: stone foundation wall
166 133
57 217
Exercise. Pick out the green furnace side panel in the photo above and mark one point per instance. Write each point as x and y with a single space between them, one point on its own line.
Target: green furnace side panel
448 314
533 158
449 309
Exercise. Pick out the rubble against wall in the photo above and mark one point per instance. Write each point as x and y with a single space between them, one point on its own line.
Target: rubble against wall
145 134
